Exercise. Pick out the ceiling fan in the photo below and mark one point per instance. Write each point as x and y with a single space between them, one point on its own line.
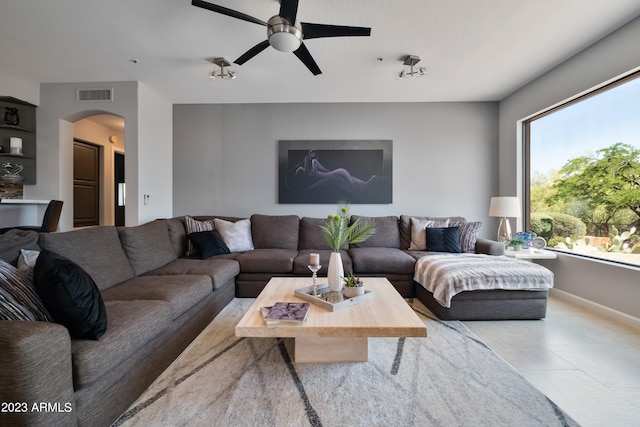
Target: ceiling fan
285 33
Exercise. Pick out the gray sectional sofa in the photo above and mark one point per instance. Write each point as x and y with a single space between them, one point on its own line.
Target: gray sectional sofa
157 301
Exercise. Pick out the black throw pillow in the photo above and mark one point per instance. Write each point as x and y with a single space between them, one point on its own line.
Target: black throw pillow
444 239
208 243
70 295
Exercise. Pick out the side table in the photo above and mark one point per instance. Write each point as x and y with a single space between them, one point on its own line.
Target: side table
530 254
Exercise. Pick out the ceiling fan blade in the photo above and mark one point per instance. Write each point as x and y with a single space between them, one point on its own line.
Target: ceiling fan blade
315 31
289 10
304 55
252 52
227 11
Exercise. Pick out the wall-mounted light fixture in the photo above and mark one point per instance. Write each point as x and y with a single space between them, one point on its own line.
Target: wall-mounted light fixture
223 73
410 68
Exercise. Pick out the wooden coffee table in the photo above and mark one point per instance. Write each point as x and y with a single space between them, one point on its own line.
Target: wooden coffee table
340 336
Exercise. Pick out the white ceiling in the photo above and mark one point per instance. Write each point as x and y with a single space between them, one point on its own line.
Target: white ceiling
475 50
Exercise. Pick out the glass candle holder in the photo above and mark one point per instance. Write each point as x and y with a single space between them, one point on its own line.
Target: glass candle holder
314 278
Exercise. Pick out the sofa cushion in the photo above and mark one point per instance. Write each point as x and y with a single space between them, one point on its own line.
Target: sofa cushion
132 324
192 225
208 243
381 260
237 235
443 239
18 299
278 232
220 271
147 246
419 233
96 249
311 236
387 234
70 295
13 240
267 261
177 235
182 292
301 261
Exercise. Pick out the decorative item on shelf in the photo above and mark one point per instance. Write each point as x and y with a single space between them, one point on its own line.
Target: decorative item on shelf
15 145
11 116
337 231
504 207
516 243
314 266
528 237
353 286
12 172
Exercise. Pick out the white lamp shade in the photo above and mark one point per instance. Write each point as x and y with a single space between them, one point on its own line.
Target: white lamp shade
505 207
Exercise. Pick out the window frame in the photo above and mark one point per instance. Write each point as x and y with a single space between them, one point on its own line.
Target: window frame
526 151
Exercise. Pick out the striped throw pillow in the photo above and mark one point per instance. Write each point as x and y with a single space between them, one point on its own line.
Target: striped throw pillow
18 299
193 226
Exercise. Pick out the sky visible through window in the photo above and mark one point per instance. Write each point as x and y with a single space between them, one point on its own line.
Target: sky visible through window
585 127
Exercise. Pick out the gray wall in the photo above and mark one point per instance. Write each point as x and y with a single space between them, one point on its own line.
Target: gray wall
603 283
444 155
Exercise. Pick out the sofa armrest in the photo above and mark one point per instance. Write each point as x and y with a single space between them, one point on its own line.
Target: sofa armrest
35 369
489 247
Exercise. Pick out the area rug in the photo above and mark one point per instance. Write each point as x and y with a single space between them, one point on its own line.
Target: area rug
449 378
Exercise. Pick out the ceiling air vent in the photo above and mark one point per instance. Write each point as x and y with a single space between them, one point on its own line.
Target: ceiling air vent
85 95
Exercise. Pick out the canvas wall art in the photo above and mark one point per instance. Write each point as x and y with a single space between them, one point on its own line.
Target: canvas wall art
359 172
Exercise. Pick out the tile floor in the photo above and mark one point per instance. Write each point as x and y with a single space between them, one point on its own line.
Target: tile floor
588 364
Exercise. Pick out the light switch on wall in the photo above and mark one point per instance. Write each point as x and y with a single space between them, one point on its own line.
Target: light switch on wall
145 198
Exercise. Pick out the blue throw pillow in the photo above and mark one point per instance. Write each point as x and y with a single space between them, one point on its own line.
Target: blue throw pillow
208 243
444 239
70 295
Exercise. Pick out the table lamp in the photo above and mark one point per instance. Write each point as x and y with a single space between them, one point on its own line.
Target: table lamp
504 207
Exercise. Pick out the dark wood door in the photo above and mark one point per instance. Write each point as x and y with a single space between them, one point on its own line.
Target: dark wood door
119 186
86 184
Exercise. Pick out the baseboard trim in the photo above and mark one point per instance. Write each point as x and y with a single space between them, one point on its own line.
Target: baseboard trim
598 308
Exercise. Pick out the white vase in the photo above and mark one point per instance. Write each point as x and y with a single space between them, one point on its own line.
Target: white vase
335 272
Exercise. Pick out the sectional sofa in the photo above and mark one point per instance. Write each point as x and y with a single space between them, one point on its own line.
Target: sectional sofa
158 299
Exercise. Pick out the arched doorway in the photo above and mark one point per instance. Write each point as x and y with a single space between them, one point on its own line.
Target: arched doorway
98 164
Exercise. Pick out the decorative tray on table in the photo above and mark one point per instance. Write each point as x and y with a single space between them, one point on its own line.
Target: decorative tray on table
332 301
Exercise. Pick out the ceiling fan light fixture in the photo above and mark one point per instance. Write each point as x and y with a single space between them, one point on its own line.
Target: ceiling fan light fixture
282 35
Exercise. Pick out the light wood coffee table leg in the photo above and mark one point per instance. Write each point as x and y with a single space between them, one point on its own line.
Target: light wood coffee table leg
331 349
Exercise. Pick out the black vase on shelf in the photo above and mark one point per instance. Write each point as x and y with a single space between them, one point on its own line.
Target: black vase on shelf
11 116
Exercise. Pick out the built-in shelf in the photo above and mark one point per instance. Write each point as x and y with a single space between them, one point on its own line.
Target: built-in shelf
17 156
16 128
25 129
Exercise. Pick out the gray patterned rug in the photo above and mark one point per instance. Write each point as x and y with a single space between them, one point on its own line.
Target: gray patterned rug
448 379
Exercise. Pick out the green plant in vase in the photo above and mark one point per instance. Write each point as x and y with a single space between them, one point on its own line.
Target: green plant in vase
516 243
336 232
353 285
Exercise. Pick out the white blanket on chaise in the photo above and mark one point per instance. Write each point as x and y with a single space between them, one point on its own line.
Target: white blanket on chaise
446 275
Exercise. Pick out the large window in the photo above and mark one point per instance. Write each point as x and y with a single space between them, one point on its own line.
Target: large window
583 173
